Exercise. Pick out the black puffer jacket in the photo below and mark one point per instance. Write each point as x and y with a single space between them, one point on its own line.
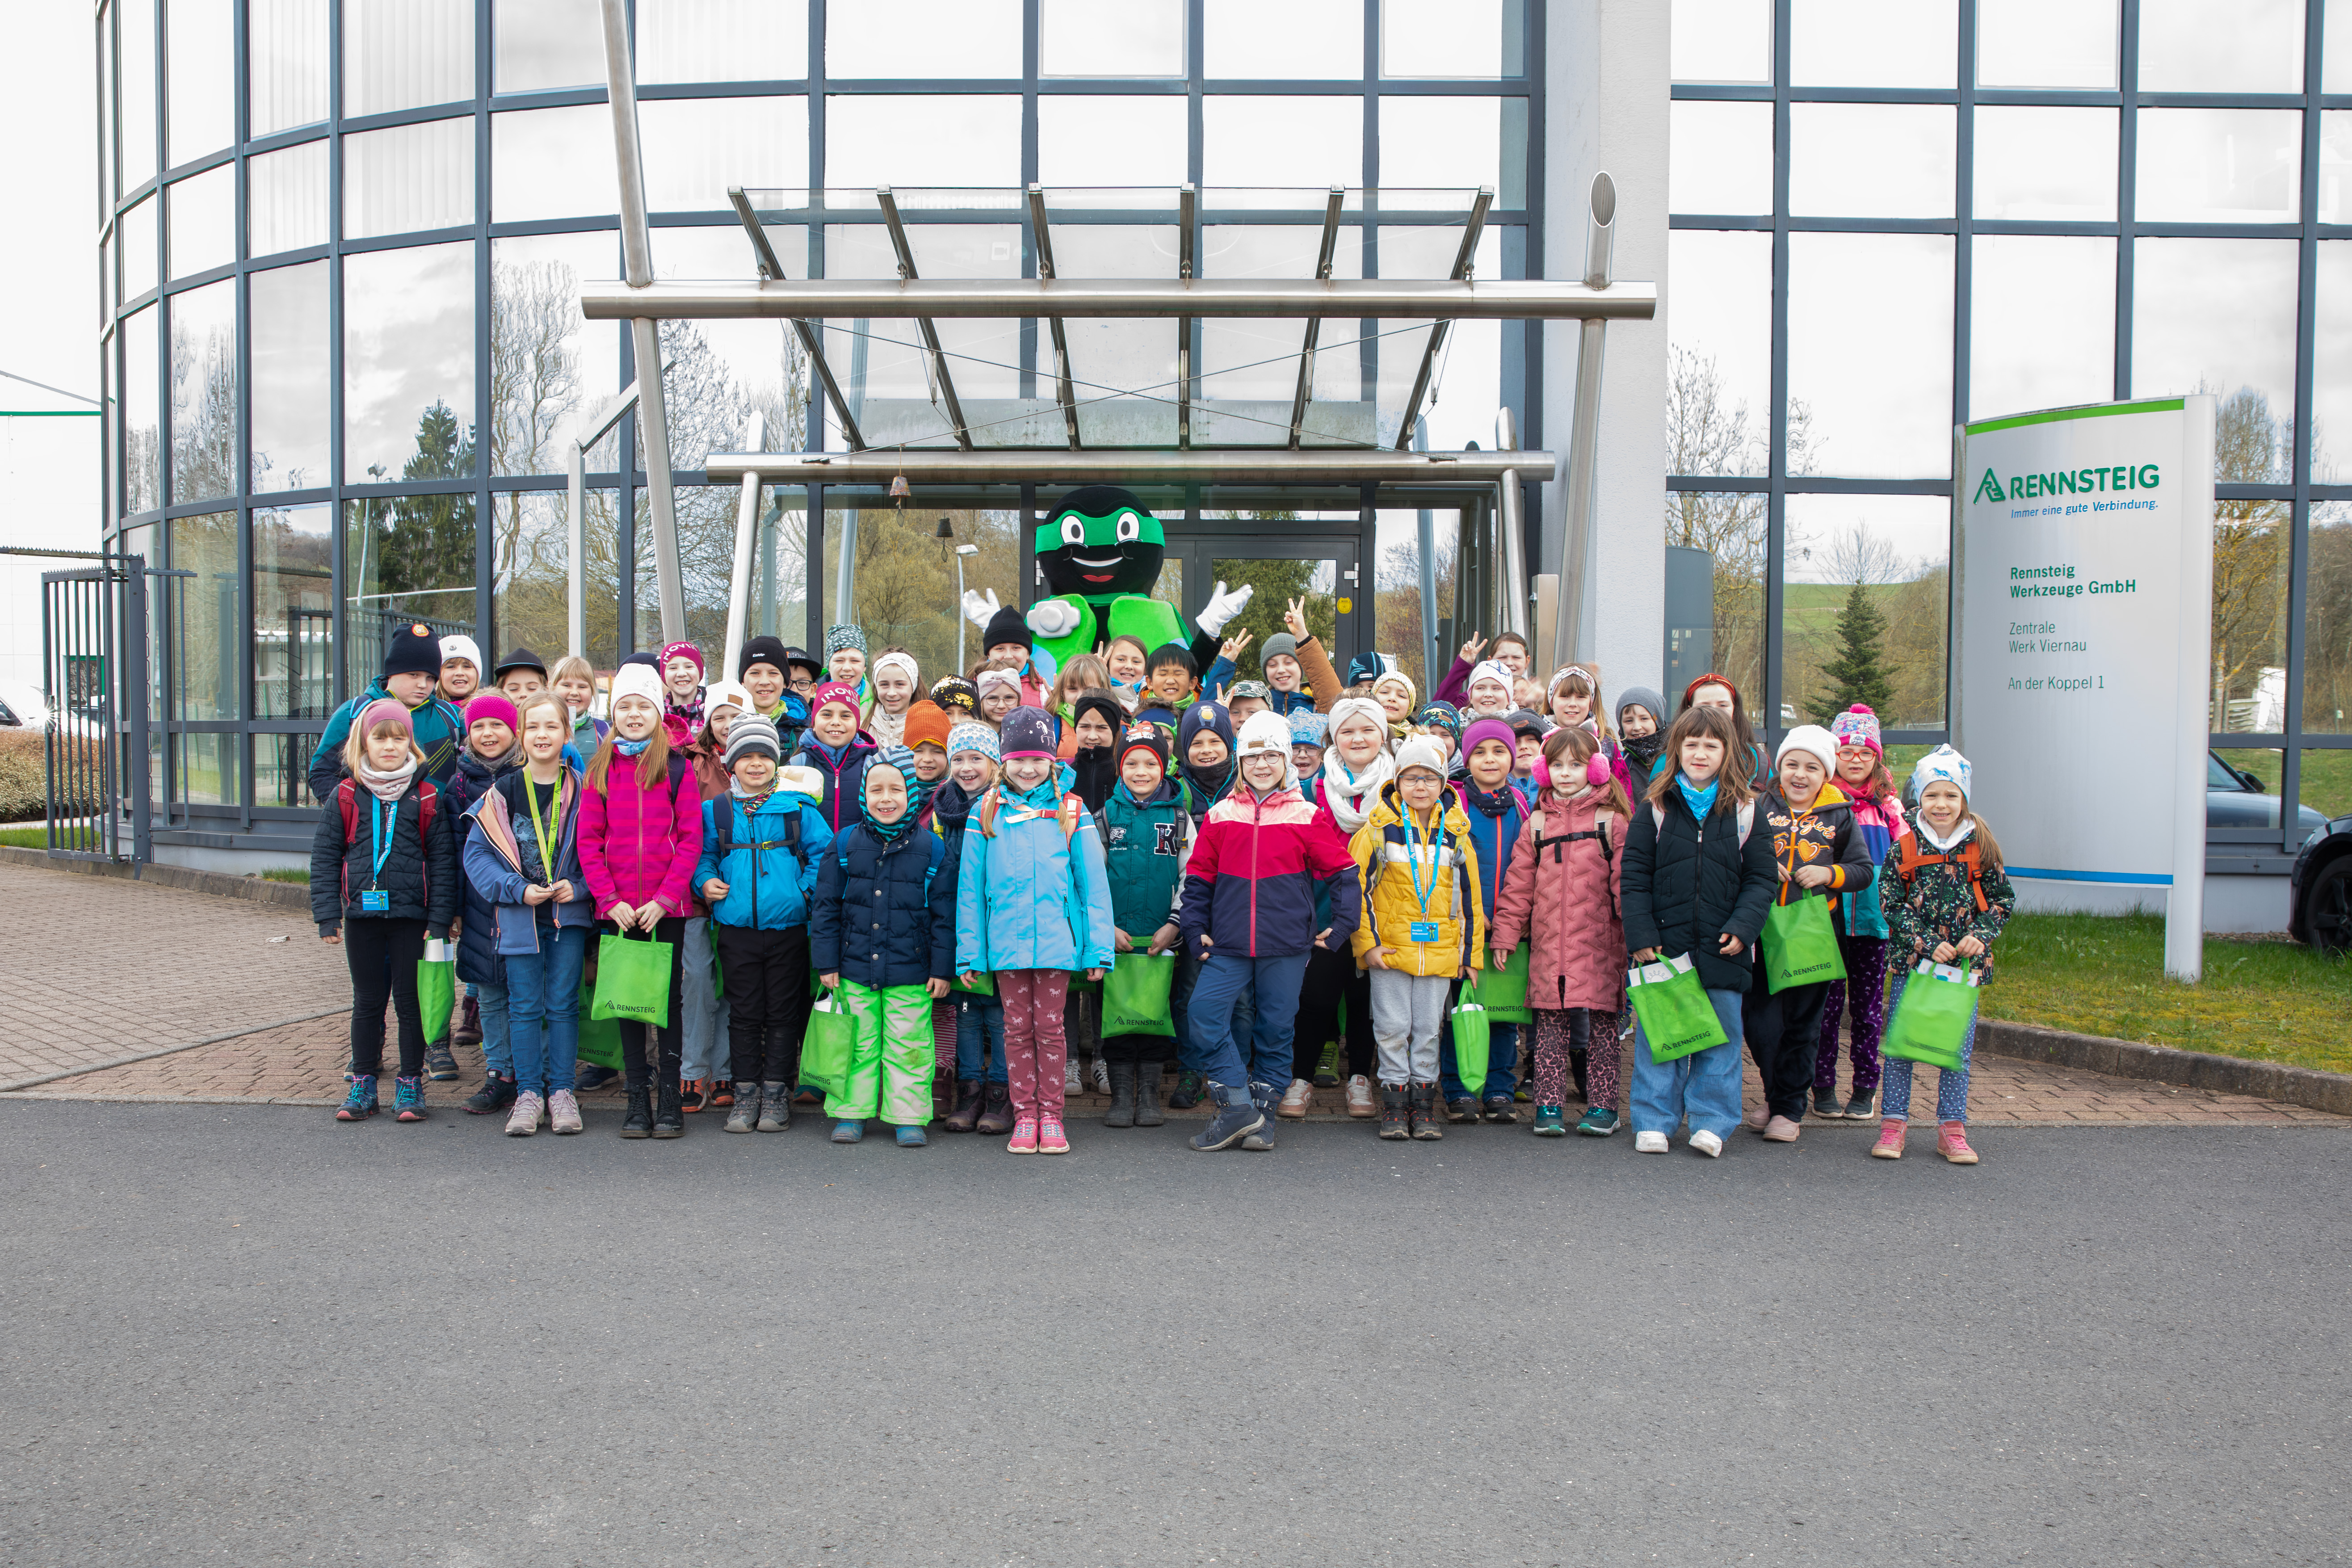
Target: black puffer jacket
884 912
420 874
1685 888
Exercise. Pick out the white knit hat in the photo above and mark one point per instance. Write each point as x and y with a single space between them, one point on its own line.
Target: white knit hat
1420 751
457 644
1488 669
897 659
1814 741
1269 732
635 680
727 694
1349 708
1946 766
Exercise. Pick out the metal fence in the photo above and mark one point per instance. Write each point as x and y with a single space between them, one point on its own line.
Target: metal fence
93 673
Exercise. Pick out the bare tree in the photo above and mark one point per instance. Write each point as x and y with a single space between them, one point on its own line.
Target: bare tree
2250 538
1859 555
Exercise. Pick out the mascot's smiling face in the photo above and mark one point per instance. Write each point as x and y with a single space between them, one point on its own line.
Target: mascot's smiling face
1099 543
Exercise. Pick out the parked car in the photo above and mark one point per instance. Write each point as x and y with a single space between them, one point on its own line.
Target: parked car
2234 798
2319 893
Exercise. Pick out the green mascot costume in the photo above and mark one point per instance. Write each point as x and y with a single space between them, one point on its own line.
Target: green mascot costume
1099 553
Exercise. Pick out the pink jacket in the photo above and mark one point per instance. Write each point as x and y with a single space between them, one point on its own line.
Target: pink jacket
1561 892
638 844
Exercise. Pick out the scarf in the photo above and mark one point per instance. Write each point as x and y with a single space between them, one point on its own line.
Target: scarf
1211 784
888 832
1492 803
1700 801
690 709
1096 773
1128 692
391 786
1644 751
1928 836
949 805
919 794
1350 796
632 748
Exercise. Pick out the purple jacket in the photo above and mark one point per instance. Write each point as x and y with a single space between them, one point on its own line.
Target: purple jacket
638 844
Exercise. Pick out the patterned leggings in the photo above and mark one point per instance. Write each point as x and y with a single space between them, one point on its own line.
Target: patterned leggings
1951 1088
1865 969
1034 1049
1560 1030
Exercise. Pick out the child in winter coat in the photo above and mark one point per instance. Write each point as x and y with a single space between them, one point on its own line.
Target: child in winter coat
757 870
895 682
411 666
884 938
575 683
383 878
1205 774
1355 769
1498 816
837 751
702 1059
1819 853
1147 836
1861 927
1032 905
522 863
1642 731
491 753
640 834
1250 907
1946 897
1424 925
982 1100
1698 879
1564 891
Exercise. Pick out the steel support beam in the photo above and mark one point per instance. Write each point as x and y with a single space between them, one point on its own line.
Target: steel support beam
1063 390
941 466
889 204
747 525
762 254
575 469
1187 212
1314 324
1576 474
1463 260
1510 536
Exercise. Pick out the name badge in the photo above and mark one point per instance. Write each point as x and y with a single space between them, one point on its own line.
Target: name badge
1424 930
375 901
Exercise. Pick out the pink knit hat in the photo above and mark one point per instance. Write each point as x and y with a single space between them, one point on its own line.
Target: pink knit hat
1857 726
384 710
493 705
680 650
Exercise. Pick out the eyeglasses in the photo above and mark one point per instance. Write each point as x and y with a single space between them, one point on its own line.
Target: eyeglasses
804 683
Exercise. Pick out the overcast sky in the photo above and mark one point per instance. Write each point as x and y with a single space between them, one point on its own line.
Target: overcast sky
49 121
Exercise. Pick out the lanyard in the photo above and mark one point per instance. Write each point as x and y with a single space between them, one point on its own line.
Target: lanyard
1411 832
546 845
383 840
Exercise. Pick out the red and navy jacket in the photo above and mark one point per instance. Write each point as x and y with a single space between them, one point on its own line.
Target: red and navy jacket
1250 885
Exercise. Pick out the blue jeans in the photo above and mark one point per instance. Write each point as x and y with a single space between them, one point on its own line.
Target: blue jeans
1240 1012
980 1035
1502 1062
704 1052
1951 1088
1704 1086
497 1054
543 1009
1218 1028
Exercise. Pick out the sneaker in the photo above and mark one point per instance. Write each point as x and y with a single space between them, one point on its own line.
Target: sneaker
1827 1103
1100 1075
1187 1092
1295 1100
1501 1108
1890 1141
409 1098
524 1120
1780 1129
1238 1115
1859 1108
1360 1099
912 1138
1024 1137
359 1101
1952 1143
1598 1121
723 1093
564 1113
1550 1124
693 1095
589 1075
1463 1110
1706 1144
1326 1068
848 1132
1648 1142
1050 1138
494 1095
1071 1082
440 1065
1756 1120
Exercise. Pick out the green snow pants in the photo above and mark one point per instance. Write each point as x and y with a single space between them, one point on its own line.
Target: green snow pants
891 1062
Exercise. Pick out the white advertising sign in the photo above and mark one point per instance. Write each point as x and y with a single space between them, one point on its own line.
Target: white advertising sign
2083 586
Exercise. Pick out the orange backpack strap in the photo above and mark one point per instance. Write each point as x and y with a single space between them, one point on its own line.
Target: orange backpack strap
1071 809
1908 860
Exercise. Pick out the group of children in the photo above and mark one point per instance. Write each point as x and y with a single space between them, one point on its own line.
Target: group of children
1246 879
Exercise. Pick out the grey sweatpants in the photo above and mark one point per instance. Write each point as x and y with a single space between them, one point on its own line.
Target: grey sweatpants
1408 1010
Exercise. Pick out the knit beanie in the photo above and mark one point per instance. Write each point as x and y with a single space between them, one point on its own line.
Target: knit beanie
634 679
726 694
681 650
493 705
1396 678
1025 732
1943 764
1213 718
412 650
973 738
897 758
1814 741
1150 737
1644 697
1441 716
751 733
1419 751
955 695
900 659
1526 721
1307 728
833 691
927 724
763 650
1489 729
384 710
990 679
1281 644
1367 667
457 644
519 657
1857 726
1349 708
1489 669
1099 702
1006 627
1267 735
839 638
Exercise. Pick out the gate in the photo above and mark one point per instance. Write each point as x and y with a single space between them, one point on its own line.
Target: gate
93 674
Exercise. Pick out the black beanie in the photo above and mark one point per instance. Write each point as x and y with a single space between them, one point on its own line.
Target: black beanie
413 649
762 650
1006 625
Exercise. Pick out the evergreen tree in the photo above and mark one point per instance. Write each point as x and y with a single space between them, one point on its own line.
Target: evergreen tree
430 541
1859 671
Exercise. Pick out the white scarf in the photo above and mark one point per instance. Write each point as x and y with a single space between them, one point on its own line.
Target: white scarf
388 786
1927 835
1352 796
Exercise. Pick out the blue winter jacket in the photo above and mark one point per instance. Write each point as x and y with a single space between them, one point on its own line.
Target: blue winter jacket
440 730
845 778
884 912
1495 839
1028 897
502 864
769 885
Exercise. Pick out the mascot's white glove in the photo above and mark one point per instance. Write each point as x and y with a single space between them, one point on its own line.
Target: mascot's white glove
1051 619
1222 607
979 608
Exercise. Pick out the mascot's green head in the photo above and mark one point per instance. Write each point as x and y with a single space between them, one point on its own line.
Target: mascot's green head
1099 543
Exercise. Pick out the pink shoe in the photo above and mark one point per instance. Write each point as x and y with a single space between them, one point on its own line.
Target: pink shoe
1780 1129
1756 1120
1050 1138
1024 1137
1890 1141
1952 1143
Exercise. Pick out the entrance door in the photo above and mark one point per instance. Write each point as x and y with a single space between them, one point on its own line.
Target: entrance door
1320 568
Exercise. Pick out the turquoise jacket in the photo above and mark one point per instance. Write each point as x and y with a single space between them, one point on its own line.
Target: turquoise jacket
769 885
1027 895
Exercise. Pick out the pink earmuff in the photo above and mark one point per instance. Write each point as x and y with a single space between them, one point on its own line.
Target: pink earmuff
1541 772
1596 769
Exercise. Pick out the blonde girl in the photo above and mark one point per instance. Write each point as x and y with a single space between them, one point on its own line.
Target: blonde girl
575 683
893 685
1128 664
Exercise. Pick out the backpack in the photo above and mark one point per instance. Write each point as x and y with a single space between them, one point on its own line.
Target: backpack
428 800
724 821
1071 809
1908 860
1747 820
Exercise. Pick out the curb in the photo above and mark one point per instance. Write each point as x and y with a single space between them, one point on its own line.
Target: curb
220 884
2305 1087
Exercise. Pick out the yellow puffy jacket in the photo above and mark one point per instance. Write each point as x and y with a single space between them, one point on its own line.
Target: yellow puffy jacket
1386 855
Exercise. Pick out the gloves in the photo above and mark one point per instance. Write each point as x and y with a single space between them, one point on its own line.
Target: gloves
979 608
1053 618
1222 607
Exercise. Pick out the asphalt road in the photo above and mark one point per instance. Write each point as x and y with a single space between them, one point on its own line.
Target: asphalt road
251 1335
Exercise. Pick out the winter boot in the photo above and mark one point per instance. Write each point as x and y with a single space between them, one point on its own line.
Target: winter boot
1238 1115
1395 1117
359 1101
1147 1095
1122 1096
1267 1101
967 1108
995 1110
440 1065
1428 1121
1187 1092
494 1095
409 1098
771 1104
468 1031
669 1114
639 1121
745 1112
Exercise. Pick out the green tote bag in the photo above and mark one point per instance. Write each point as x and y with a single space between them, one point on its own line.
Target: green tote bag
828 1047
1677 1015
1503 992
1471 1029
1135 994
632 978
436 988
600 1038
1800 945
1932 1020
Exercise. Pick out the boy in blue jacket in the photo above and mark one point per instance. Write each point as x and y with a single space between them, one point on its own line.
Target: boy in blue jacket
761 842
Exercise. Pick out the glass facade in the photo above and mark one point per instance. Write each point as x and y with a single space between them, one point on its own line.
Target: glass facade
1884 222
344 239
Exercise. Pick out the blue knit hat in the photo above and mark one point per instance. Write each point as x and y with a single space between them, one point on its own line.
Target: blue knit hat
1026 732
1307 728
1943 764
973 738
1209 716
